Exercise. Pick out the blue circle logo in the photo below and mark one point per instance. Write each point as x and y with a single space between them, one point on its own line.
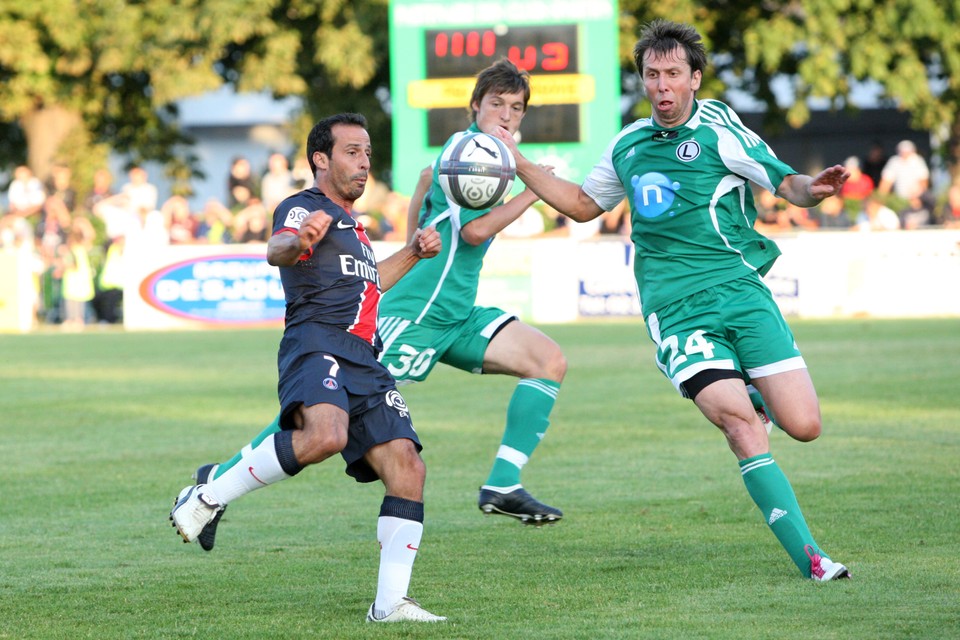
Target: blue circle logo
653 194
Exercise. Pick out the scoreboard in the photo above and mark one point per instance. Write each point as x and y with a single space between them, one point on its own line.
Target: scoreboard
550 56
569 47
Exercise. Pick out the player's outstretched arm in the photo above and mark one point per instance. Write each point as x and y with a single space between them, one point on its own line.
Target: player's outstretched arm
564 196
481 229
425 243
807 191
285 249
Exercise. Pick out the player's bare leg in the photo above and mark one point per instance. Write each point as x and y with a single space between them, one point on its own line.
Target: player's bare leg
793 400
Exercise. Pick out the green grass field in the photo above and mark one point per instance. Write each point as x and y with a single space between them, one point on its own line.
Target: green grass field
101 430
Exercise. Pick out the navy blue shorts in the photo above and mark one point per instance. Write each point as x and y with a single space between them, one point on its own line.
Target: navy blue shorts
322 364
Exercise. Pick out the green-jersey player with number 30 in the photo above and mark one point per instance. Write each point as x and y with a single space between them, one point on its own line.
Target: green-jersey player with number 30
434 319
686 172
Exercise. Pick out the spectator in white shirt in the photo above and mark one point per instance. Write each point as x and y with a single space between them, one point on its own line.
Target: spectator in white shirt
906 174
876 216
26 195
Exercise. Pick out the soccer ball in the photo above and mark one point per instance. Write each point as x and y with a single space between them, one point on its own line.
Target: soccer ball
477 171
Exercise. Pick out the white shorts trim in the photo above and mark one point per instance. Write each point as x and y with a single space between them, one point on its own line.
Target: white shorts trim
790 364
498 322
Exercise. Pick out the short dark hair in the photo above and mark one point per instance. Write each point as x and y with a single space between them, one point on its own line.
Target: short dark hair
501 77
321 136
662 36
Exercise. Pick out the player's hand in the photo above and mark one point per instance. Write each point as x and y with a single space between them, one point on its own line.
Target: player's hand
313 228
507 138
828 182
426 243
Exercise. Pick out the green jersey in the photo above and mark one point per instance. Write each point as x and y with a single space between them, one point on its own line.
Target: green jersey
440 291
690 199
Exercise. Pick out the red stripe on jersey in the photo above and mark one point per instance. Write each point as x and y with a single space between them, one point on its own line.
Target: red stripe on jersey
362 234
365 324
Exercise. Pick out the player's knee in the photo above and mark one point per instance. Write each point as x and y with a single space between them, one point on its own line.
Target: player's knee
406 473
409 458
743 437
556 367
319 444
805 430
551 364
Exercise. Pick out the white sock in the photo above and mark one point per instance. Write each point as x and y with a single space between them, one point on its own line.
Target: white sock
399 541
257 468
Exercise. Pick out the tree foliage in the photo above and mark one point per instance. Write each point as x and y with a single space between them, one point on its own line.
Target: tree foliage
101 74
82 78
340 63
911 48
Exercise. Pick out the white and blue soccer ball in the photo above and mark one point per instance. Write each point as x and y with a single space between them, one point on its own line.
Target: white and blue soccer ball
477 171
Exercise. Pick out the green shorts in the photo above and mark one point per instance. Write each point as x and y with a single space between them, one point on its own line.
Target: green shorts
734 326
410 351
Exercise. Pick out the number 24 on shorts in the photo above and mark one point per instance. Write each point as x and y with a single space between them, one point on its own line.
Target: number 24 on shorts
696 344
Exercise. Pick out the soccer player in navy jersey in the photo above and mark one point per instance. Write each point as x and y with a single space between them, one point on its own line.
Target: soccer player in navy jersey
686 172
335 397
431 316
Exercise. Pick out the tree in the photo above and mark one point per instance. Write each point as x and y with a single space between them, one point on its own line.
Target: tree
910 47
82 78
341 56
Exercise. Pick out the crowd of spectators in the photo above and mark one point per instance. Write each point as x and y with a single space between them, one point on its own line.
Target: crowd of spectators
76 245
882 194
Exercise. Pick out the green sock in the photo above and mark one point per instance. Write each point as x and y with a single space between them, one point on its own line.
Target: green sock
528 416
272 428
772 493
759 404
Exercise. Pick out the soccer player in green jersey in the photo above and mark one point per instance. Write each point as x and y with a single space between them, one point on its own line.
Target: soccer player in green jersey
431 316
686 172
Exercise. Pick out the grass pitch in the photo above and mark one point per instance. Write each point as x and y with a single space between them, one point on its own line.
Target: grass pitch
99 431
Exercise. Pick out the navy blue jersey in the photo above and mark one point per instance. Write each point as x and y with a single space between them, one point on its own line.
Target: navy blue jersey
336 281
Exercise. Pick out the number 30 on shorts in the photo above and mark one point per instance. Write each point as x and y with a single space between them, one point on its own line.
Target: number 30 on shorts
412 363
674 356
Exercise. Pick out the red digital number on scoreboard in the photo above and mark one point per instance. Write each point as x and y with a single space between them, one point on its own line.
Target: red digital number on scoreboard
463 53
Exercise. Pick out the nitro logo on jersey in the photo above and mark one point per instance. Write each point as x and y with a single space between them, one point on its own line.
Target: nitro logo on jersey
294 217
653 194
366 268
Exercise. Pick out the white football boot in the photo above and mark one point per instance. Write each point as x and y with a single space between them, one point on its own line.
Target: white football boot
193 510
824 569
406 610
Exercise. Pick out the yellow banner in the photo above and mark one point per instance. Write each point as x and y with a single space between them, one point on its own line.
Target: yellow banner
17 295
451 93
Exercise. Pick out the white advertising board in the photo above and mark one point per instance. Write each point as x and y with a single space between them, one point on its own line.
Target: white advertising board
556 280
202 286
